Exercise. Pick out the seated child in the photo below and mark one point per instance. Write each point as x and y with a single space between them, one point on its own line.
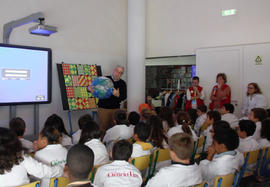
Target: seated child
15 165
227 115
212 117
257 115
81 122
91 137
121 130
133 119
49 150
184 126
57 122
120 172
201 111
168 120
265 134
80 160
245 131
141 134
17 125
182 172
222 158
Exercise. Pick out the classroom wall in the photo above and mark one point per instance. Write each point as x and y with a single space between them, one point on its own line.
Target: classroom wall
89 32
179 27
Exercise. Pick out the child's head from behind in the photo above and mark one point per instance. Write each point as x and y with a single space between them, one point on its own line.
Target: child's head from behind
227 108
246 128
257 114
11 150
120 117
213 116
80 160
122 150
141 131
166 114
133 118
57 122
181 146
90 131
48 135
84 120
183 119
202 109
225 139
17 125
219 126
265 130
157 133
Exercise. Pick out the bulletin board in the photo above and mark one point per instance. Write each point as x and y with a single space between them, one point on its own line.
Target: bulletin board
74 80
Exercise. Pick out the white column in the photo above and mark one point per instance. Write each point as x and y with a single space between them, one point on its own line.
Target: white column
136 53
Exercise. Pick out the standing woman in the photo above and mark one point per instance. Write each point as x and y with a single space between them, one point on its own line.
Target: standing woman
254 99
221 93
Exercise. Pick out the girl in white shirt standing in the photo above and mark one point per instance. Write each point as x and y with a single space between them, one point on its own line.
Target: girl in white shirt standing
257 115
57 122
254 99
15 165
90 137
50 151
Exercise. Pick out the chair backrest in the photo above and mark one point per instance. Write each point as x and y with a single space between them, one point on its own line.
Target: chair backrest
161 155
33 184
224 181
142 162
59 182
93 173
266 153
203 184
252 156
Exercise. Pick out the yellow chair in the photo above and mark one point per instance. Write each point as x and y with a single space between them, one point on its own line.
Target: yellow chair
59 182
200 144
225 180
159 155
264 157
33 184
142 163
203 184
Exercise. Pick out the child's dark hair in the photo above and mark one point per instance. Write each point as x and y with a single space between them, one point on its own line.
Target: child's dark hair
228 137
229 107
142 130
120 116
220 125
268 112
122 150
157 133
133 118
202 108
57 122
265 130
184 120
10 150
84 120
52 134
90 131
259 113
196 78
192 115
17 125
247 126
214 115
166 114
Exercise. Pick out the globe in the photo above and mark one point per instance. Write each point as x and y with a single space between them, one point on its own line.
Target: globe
102 87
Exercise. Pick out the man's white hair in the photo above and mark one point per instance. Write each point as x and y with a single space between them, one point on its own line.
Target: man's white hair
119 66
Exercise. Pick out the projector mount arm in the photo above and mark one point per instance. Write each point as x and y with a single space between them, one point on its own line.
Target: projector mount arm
8 27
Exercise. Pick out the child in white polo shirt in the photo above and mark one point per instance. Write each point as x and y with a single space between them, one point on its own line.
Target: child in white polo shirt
227 115
119 173
265 134
257 115
81 122
50 151
182 172
201 111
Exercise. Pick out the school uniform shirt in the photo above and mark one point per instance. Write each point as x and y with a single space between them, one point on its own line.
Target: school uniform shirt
118 132
27 144
80 184
178 129
248 144
100 152
119 173
222 164
19 173
66 140
254 101
257 133
141 149
199 122
76 136
52 155
231 119
177 175
264 143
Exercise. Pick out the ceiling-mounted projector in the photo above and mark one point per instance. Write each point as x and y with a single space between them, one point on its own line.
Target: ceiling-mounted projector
44 30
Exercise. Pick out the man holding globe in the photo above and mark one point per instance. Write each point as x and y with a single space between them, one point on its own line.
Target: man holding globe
107 107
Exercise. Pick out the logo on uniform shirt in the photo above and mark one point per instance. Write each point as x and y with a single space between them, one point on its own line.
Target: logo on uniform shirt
122 174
